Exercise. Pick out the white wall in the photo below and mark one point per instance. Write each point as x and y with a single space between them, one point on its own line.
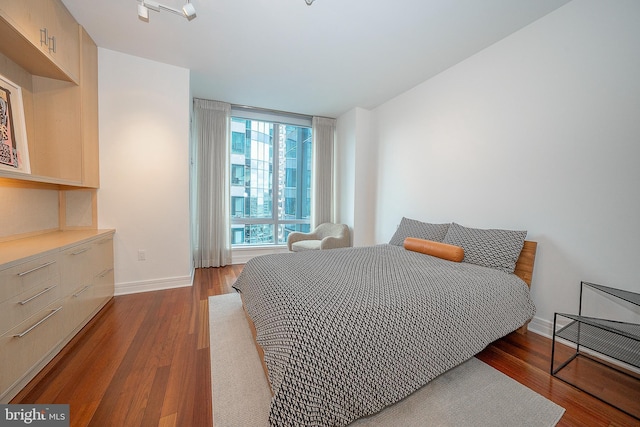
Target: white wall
345 171
144 170
540 131
355 175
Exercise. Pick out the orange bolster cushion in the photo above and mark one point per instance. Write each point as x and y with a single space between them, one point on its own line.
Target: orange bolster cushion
437 249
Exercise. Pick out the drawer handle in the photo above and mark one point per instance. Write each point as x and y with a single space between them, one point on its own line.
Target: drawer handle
80 251
105 272
44 37
24 273
52 44
20 335
45 290
77 294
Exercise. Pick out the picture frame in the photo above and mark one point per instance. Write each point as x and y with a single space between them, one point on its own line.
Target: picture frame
14 150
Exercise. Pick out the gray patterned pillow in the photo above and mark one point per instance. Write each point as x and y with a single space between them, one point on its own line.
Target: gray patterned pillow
492 248
421 230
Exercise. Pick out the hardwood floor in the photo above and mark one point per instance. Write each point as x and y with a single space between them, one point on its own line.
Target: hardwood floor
144 361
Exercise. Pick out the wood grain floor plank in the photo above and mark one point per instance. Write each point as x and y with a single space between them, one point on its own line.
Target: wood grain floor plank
186 403
168 420
153 408
83 412
144 360
176 385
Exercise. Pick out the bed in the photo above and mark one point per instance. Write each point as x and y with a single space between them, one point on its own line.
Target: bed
344 333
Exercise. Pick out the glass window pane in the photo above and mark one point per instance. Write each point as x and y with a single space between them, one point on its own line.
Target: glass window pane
295 173
260 152
285 229
258 173
252 234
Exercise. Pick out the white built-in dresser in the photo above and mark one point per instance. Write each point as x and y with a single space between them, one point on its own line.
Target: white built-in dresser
51 285
56 266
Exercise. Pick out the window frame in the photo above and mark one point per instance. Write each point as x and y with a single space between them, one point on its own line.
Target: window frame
274 220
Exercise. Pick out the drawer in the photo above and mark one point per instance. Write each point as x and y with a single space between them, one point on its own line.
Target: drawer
77 307
104 284
104 248
104 279
77 267
28 343
19 308
37 273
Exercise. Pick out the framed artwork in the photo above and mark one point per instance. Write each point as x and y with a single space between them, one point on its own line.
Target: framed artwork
14 151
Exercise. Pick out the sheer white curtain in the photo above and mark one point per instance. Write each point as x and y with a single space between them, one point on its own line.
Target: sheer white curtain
323 139
211 222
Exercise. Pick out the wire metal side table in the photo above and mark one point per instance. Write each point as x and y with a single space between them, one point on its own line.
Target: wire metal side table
610 338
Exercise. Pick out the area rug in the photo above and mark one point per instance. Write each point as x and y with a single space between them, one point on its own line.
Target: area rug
472 394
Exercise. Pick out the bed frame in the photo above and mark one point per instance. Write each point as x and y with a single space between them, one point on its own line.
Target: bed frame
524 265
524 270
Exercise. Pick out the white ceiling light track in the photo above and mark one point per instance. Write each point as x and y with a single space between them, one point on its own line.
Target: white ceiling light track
188 11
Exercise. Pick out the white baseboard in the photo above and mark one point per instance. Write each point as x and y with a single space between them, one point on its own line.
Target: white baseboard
541 326
153 285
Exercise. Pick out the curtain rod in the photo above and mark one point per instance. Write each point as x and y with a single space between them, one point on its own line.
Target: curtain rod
268 110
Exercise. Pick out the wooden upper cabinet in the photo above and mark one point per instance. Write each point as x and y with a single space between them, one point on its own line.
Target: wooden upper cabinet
48 27
89 110
56 149
66 128
56 62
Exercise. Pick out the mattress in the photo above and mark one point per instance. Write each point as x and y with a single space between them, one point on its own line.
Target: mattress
347 332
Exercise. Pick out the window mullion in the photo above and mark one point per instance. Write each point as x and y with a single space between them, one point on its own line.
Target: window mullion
275 180
300 175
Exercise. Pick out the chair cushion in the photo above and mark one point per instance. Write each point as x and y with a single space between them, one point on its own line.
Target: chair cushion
305 245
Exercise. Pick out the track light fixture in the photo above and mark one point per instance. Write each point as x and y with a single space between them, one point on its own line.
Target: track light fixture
188 11
308 2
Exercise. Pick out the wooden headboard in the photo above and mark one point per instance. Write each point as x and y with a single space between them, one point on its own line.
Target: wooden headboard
524 269
524 265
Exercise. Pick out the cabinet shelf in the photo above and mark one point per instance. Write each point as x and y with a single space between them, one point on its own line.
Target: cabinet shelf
610 338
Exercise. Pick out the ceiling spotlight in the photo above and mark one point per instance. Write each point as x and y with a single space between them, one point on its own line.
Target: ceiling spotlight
143 12
309 2
188 11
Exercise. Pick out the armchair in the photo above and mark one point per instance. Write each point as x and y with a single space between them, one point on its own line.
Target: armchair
325 236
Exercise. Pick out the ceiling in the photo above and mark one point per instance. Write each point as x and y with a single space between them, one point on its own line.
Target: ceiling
323 59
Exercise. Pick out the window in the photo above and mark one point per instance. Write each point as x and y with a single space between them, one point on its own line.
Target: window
270 180
237 175
237 142
237 207
237 235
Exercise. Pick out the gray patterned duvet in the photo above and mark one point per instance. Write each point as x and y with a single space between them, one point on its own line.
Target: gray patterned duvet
346 332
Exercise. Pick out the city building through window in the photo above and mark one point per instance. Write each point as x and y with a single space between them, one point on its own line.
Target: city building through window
270 180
